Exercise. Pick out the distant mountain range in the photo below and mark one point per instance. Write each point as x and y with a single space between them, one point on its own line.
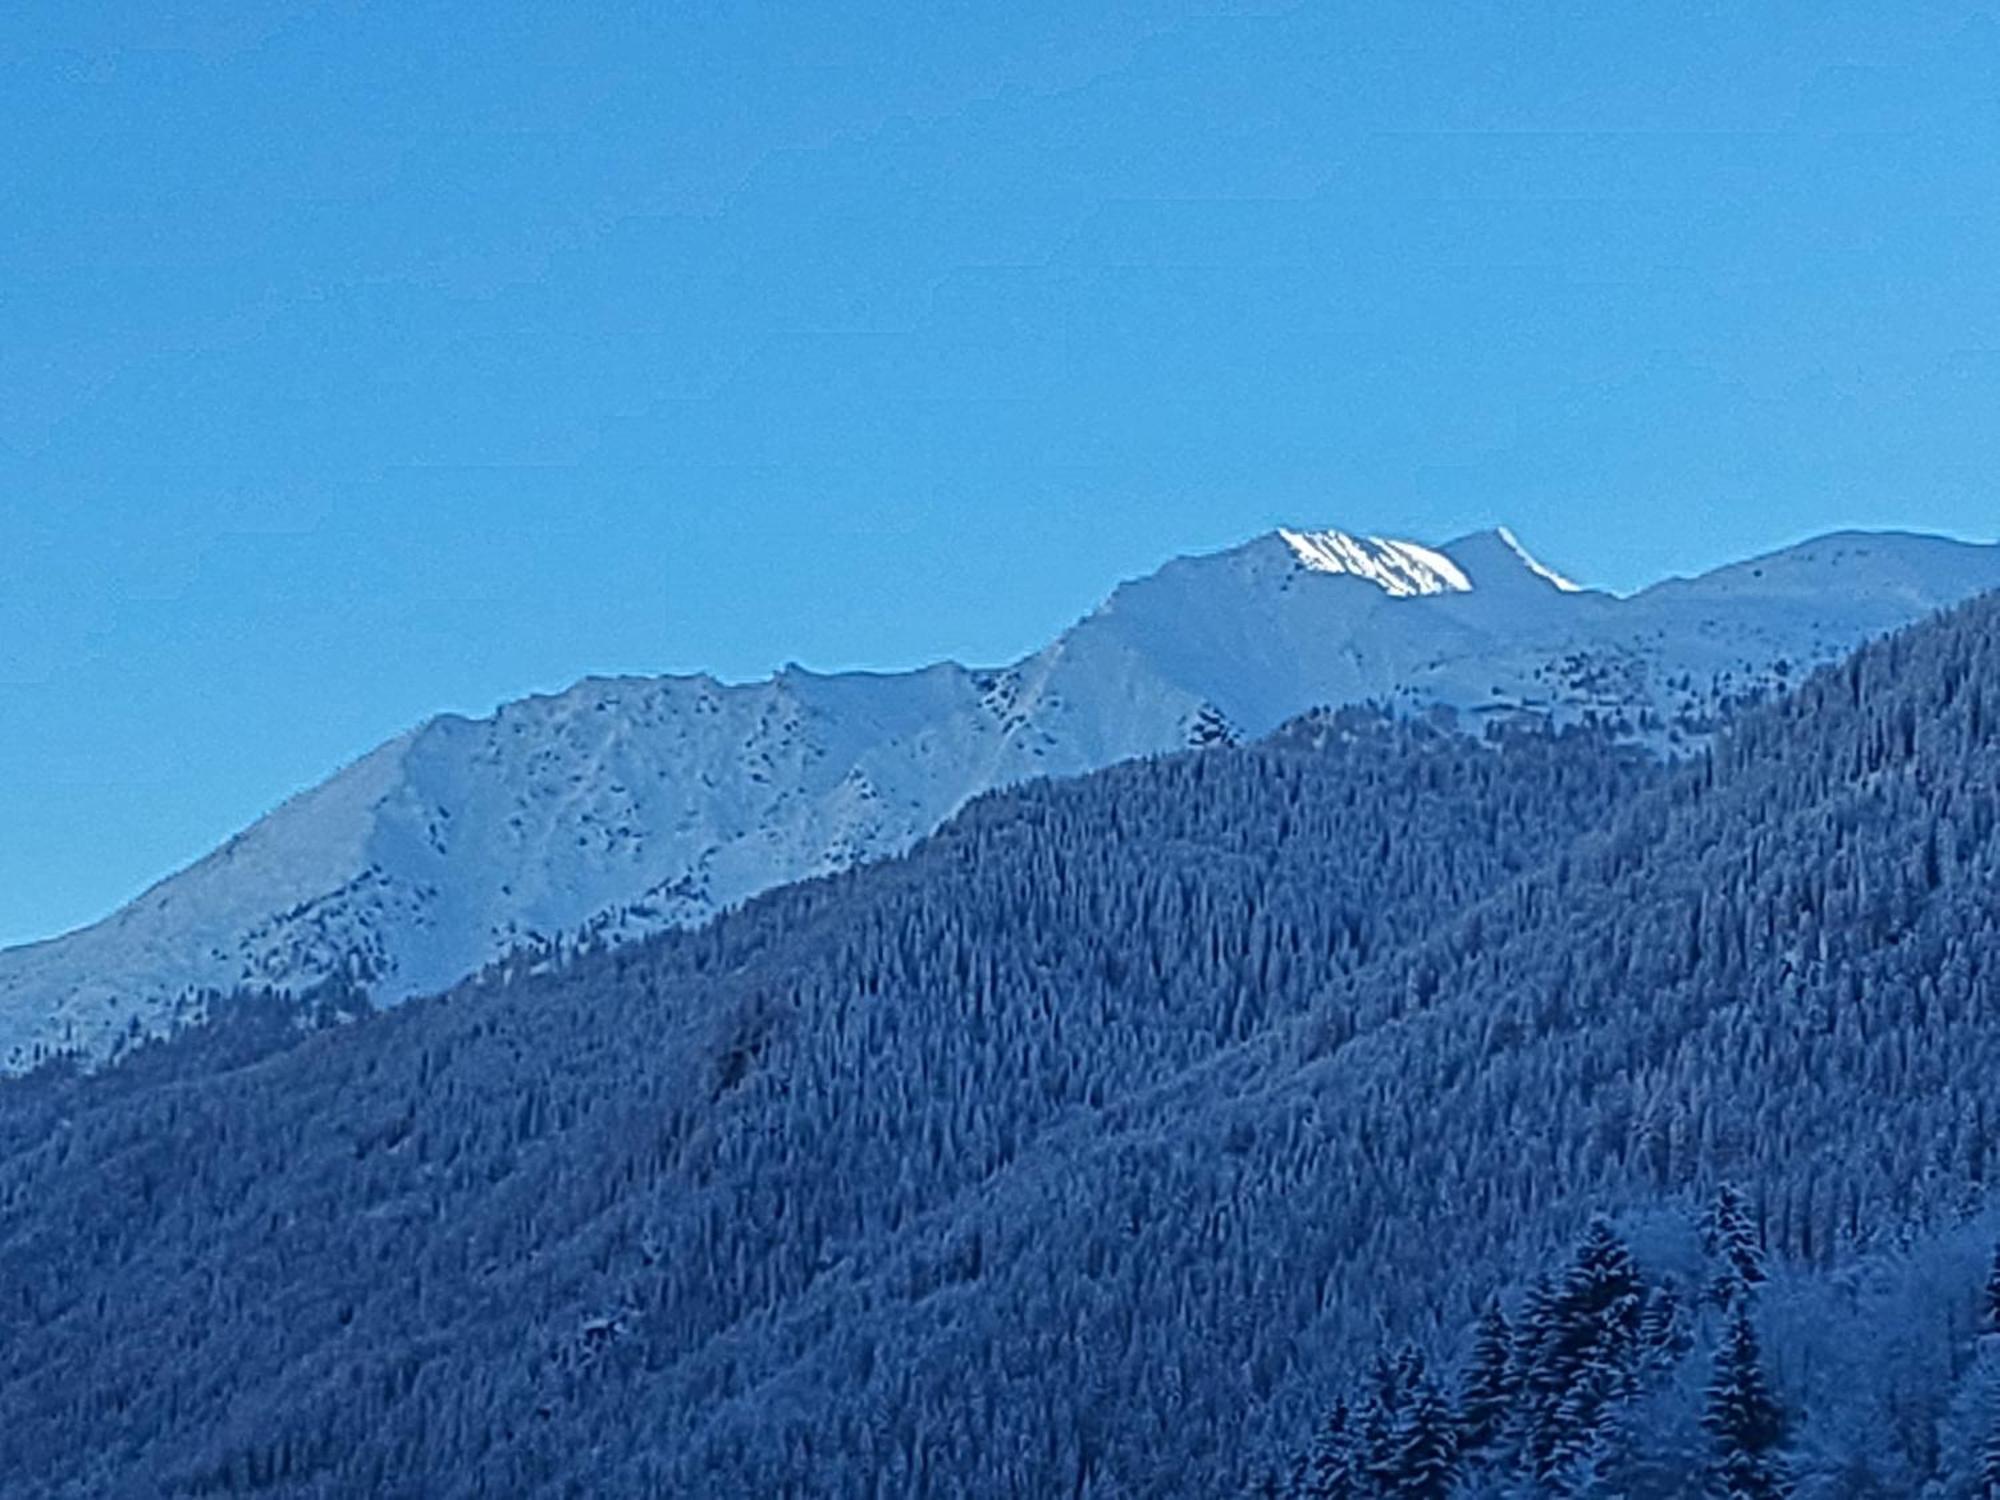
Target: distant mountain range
624 806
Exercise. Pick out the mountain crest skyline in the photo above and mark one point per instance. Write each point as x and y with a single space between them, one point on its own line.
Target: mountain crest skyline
622 806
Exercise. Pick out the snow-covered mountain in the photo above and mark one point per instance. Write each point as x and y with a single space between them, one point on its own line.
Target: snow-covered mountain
625 805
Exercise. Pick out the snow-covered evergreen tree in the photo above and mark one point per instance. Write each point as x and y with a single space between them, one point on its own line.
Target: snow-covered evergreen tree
1584 1351
1426 1463
1730 1238
1487 1386
1534 1333
1380 1429
1663 1332
1745 1420
1298 1484
1331 1471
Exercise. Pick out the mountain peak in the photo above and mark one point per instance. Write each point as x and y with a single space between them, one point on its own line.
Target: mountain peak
1496 553
1405 569
1401 569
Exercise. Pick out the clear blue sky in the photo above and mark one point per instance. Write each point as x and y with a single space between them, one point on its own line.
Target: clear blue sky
360 361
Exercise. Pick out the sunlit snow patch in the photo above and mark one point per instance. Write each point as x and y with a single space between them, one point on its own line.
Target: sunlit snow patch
1399 568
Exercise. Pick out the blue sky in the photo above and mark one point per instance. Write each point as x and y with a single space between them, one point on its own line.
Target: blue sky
362 361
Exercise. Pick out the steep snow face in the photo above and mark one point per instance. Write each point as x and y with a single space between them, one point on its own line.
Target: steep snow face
1399 568
623 806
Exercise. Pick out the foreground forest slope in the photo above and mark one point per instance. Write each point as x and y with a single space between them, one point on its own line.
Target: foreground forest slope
507 1236
1780 967
1078 1153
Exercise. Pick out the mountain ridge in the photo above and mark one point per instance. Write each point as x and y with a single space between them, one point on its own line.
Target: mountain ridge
623 805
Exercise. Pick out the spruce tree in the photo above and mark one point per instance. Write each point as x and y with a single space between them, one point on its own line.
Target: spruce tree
1330 1472
1600 1464
1744 1420
1486 1390
1731 1239
1411 1369
1381 1420
1299 1480
1585 1350
1663 1335
1534 1341
1426 1464
1532 1330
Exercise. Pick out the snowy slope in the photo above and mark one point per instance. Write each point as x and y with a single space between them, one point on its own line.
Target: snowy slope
624 805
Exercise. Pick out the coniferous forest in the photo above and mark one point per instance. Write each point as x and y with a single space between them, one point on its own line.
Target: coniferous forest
1380 1109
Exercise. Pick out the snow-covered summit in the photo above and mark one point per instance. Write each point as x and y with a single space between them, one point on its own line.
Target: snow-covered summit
1397 568
1404 569
625 805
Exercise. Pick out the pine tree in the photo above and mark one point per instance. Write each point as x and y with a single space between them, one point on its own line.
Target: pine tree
1381 1419
1579 1440
1411 1369
1299 1480
1532 1330
1330 1472
1732 1240
1585 1350
1534 1338
1993 1294
1598 1465
1744 1420
1486 1390
1426 1464
1663 1335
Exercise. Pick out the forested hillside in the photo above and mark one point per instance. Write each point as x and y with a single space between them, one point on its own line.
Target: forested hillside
1085 1151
